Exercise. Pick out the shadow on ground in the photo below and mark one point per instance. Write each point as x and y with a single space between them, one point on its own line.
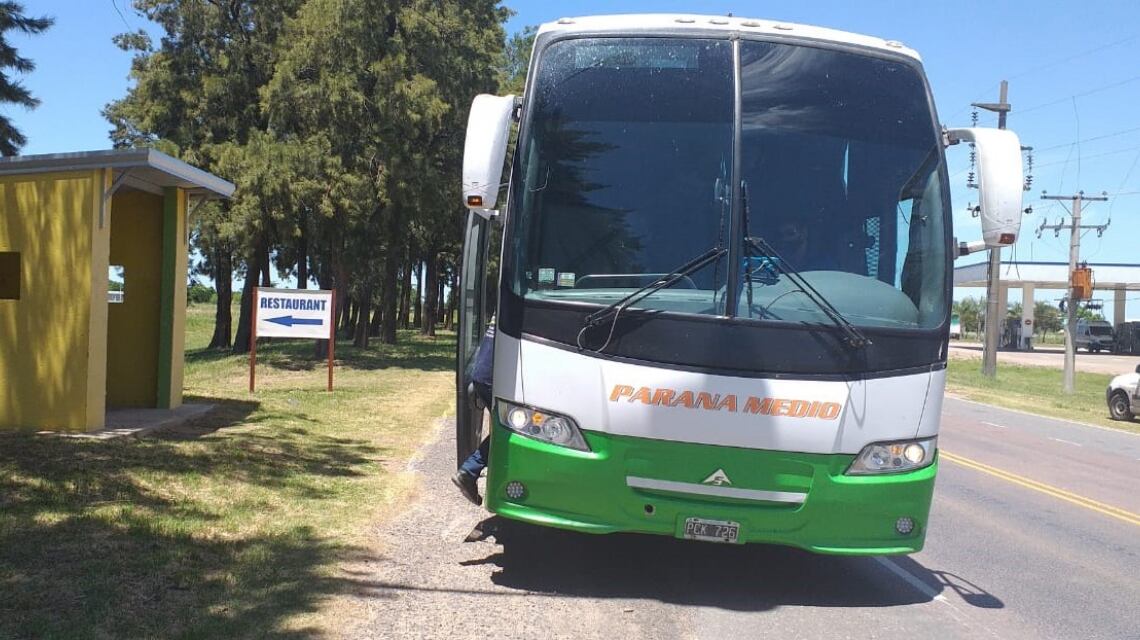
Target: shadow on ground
109 539
411 351
740 578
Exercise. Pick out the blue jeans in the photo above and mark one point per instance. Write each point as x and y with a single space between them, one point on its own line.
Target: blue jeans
477 461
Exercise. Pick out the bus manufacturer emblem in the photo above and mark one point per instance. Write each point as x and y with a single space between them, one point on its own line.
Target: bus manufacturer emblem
718 478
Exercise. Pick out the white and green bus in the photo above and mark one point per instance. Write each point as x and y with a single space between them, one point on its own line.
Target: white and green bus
724 292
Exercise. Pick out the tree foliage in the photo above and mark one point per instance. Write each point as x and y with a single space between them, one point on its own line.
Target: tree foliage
12 17
970 311
342 124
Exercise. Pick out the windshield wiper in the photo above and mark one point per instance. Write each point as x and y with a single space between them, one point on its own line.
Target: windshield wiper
852 335
599 317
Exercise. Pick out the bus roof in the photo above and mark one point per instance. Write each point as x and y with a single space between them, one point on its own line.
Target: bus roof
672 23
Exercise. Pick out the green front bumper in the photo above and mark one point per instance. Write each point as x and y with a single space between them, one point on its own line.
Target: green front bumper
589 492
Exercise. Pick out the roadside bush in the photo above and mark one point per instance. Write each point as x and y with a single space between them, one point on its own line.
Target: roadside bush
198 293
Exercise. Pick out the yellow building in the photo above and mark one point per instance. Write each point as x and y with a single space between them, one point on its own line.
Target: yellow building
73 226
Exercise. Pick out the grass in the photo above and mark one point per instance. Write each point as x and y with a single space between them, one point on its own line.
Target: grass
1036 390
234 526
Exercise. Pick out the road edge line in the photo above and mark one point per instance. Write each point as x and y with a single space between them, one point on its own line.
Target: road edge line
1040 415
1073 498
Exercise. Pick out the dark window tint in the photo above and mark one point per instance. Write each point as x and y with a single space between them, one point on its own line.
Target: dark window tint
842 167
626 171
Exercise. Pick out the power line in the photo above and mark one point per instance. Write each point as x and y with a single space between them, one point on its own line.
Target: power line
121 16
1040 150
1048 65
1077 115
1080 95
1096 155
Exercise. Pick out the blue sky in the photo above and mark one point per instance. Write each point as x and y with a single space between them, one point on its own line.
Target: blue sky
1071 66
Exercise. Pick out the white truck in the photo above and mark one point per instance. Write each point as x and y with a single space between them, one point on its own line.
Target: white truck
1093 335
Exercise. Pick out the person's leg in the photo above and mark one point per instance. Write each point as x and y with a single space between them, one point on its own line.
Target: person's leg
469 472
477 461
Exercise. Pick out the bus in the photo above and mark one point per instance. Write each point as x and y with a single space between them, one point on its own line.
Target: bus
723 296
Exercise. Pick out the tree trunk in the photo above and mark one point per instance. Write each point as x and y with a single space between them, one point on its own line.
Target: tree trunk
321 350
360 339
264 255
374 325
454 301
419 302
245 314
302 262
440 300
406 296
389 303
351 313
431 285
222 273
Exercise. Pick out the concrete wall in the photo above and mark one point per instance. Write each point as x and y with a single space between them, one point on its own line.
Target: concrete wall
133 326
52 347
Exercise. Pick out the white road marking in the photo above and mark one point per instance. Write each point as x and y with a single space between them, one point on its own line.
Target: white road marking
1075 444
994 424
911 579
932 593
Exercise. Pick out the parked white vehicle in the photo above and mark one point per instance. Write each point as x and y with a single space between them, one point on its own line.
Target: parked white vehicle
1123 396
1093 335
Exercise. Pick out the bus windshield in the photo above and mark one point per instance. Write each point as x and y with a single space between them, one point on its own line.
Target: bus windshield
630 164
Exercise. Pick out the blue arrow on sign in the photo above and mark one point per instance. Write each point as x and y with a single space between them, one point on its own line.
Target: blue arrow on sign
289 321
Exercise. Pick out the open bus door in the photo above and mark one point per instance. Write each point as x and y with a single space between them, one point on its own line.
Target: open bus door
473 317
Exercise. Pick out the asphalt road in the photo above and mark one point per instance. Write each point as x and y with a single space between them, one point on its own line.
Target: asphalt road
1052 356
1034 533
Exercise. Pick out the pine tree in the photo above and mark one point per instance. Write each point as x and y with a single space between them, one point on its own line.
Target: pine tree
11 91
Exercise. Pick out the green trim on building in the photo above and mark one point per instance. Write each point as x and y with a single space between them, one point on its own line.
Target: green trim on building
170 244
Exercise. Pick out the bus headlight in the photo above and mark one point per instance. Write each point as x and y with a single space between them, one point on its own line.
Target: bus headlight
541 425
894 457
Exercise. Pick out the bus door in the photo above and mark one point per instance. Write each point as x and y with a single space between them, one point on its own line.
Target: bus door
473 317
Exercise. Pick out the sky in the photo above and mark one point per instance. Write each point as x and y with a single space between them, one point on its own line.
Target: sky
1071 66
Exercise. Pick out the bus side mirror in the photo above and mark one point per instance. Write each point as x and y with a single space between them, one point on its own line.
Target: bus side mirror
488 129
1000 181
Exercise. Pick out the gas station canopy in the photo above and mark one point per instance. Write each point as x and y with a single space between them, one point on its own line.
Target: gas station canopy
1118 278
1050 275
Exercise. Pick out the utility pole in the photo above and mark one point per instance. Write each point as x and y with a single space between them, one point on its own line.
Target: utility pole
994 314
1074 258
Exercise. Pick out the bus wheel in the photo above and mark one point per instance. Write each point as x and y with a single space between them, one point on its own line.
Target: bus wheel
1118 406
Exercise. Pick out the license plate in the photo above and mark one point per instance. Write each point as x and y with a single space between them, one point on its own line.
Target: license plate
712 530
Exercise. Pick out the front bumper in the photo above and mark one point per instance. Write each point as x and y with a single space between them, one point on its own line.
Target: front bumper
810 503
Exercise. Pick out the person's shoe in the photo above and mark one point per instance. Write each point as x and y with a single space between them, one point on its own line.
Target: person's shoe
467 487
